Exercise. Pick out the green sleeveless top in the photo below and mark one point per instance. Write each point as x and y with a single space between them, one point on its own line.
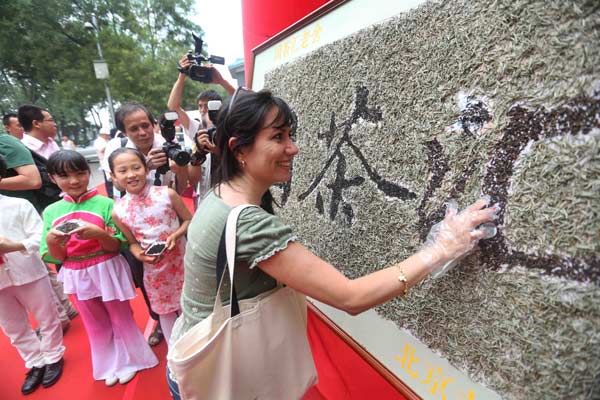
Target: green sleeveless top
259 236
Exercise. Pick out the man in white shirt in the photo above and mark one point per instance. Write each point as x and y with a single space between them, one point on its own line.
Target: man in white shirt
25 287
190 125
100 147
40 130
197 130
67 143
101 142
137 123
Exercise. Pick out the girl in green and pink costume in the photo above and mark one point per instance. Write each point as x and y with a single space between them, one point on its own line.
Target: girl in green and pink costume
94 271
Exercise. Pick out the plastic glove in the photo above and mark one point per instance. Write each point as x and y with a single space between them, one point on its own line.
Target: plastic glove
459 232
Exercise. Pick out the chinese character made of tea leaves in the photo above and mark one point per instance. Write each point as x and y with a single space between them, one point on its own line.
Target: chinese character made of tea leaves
525 125
341 183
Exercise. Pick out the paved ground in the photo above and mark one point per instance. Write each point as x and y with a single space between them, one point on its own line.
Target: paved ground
97 177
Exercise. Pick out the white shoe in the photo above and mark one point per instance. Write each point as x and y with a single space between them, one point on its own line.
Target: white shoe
111 381
126 378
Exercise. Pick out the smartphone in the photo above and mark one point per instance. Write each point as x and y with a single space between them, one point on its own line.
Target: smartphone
69 225
156 249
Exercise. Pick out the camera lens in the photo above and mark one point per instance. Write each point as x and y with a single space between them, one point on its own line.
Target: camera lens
181 157
211 134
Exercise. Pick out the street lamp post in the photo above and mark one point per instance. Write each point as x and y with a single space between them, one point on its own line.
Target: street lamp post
101 67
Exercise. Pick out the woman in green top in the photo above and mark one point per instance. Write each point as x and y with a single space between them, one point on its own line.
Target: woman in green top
256 148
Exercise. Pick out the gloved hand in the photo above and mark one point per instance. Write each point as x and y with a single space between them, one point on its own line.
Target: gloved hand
457 234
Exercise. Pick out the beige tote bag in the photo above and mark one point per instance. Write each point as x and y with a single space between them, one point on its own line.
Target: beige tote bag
260 353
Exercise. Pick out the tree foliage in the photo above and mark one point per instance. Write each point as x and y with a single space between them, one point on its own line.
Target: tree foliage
46 54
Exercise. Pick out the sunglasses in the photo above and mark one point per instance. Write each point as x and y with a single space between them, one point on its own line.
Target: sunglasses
234 96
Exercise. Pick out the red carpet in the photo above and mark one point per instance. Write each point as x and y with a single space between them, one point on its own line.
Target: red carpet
343 374
77 381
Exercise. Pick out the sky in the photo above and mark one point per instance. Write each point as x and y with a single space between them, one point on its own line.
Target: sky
221 21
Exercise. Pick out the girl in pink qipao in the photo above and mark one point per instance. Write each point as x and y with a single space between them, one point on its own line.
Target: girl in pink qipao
148 215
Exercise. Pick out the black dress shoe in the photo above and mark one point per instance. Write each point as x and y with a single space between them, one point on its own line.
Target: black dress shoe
32 381
52 373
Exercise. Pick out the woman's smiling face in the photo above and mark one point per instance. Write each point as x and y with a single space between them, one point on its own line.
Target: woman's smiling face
269 158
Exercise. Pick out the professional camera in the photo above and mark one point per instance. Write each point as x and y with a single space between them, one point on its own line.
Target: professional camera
173 150
199 156
213 111
196 71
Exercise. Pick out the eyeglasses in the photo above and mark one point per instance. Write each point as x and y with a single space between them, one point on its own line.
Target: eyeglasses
235 95
49 120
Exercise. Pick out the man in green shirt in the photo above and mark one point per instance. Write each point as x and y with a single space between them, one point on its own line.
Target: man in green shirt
12 125
23 176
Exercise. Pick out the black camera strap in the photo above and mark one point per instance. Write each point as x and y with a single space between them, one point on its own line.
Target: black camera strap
157 180
181 69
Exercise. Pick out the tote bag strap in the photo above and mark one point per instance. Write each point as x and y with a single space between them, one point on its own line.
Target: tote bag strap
226 256
221 263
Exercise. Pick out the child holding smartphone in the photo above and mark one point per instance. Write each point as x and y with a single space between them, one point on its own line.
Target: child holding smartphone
79 232
149 217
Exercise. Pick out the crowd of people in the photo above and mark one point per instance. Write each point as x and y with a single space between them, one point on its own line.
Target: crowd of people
142 234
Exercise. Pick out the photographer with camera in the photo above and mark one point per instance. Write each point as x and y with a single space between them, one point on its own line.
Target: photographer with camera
194 129
138 125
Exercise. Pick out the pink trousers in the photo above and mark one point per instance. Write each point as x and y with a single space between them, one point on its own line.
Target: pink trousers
117 345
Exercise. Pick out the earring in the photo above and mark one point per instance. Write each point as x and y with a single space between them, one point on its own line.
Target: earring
243 162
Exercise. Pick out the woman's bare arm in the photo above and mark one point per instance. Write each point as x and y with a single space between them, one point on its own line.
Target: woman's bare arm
299 268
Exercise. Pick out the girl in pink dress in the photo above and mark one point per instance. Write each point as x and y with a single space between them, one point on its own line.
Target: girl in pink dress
93 270
148 215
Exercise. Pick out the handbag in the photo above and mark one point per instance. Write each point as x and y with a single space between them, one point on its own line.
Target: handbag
259 352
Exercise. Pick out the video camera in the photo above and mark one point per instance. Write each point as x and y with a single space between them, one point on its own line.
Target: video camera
173 150
196 71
